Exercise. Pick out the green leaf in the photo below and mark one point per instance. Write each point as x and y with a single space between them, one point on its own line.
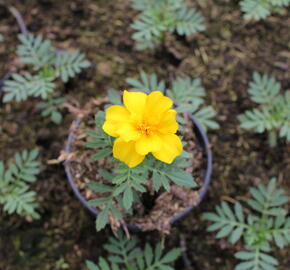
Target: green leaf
97 187
35 50
171 255
114 97
236 234
148 83
263 89
102 153
156 180
245 265
181 178
99 202
102 219
128 198
239 212
92 266
245 255
68 64
20 87
189 21
148 255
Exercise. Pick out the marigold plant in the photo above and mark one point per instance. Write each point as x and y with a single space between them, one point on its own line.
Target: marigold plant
139 140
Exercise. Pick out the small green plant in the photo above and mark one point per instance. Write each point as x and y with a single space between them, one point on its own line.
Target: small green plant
260 9
269 223
273 114
48 64
159 17
15 195
188 95
127 256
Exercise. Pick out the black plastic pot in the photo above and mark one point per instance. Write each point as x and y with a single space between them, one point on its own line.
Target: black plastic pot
204 143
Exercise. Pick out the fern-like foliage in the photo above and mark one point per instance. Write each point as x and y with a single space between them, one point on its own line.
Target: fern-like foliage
49 64
36 51
164 16
20 87
51 109
187 94
68 64
268 223
100 140
15 195
273 114
127 256
147 83
260 9
123 186
188 21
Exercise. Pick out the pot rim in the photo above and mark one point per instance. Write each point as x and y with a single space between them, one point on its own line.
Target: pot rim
203 141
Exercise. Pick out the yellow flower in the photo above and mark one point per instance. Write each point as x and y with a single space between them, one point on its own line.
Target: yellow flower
146 124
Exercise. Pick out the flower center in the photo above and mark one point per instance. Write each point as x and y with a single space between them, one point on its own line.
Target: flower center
145 129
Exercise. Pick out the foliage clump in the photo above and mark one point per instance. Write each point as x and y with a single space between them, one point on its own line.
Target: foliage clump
187 94
260 9
266 223
15 194
159 17
273 114
127 256
48 64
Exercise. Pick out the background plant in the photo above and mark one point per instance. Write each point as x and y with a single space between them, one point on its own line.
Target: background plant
48 64
259 228
159 17
260 9
127 256
188 95
273 114
15 194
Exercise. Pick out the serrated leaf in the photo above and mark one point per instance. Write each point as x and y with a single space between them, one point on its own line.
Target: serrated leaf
102 153
181 178
102 219
128 198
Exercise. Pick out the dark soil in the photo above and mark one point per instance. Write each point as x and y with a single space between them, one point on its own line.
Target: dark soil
224 57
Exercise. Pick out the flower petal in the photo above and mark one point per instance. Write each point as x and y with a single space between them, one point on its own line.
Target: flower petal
148 143
128 132
171 147
156 105
135 102
168 123
125 152
115 116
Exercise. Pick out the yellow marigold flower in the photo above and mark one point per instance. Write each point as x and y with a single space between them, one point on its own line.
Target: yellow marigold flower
146 124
